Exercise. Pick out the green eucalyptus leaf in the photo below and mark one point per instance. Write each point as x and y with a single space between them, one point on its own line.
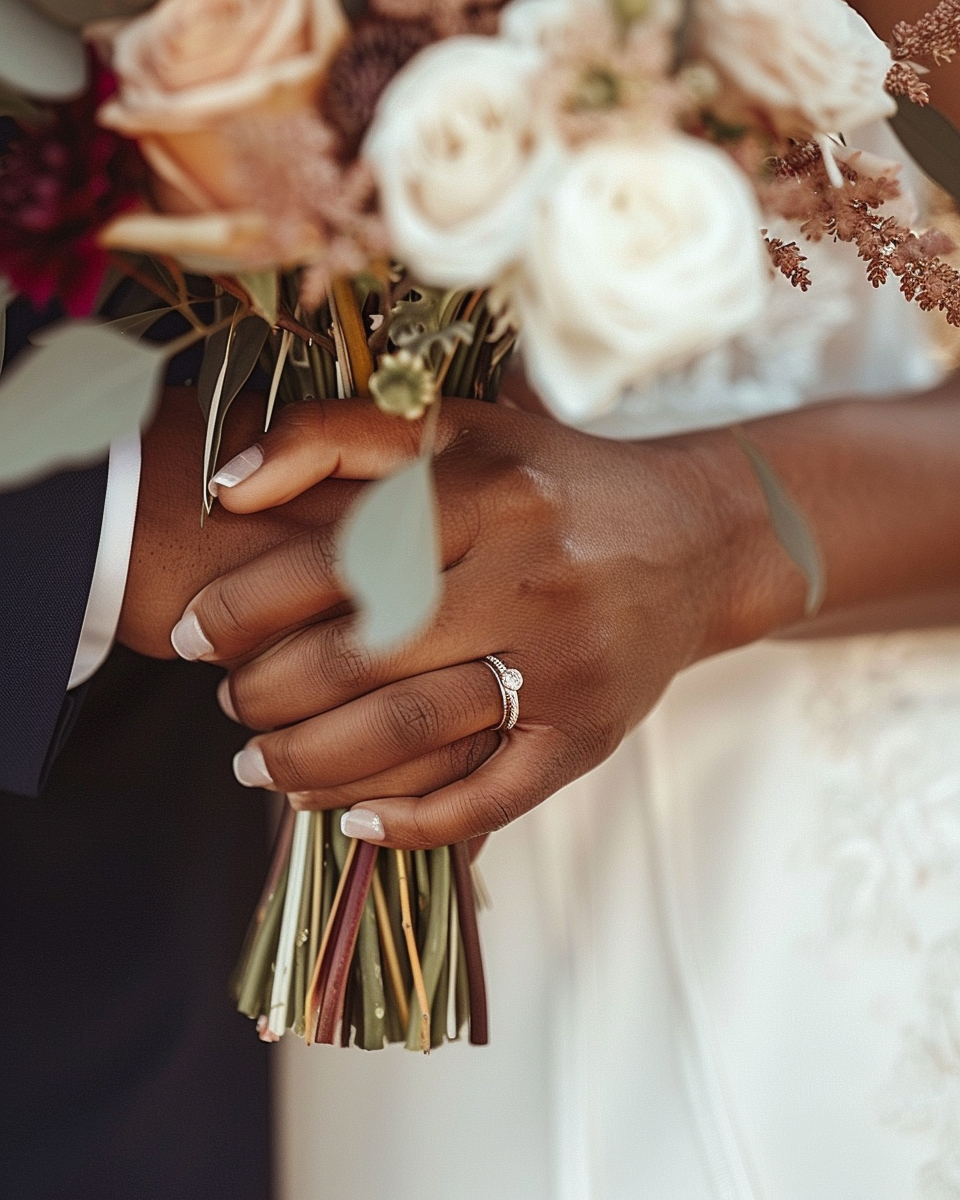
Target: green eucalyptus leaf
390 555
792 528
263 289
64 403
77 13
932 141
37 57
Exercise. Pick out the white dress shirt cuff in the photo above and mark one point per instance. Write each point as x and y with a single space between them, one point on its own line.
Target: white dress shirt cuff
113 560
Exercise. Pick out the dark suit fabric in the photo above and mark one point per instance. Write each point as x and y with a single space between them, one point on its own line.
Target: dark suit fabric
125 886
125 1074
49 535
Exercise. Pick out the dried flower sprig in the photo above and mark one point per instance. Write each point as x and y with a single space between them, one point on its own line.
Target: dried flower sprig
800 189
788 260
289 169
934 39
931 41
903 79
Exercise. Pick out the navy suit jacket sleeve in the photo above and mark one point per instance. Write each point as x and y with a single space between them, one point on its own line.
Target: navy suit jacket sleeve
49 534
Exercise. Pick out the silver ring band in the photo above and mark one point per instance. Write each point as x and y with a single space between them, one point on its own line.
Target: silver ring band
510 681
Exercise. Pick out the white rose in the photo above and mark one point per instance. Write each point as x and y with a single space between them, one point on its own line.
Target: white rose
460 159
817 65
643 256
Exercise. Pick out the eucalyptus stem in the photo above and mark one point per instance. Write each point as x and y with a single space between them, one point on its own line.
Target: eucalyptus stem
390 952
279 857
435 942
373 998
418 984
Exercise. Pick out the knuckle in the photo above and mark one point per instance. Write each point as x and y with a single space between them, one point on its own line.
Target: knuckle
409 719
527 491
289 763
226 611
338 663
318 558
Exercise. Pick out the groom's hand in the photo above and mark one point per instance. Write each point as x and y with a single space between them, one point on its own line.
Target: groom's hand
173 556
596 568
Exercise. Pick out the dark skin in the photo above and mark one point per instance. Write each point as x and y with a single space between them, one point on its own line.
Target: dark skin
600 569
173 556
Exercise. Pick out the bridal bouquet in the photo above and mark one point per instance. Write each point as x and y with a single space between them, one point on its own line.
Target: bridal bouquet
383 207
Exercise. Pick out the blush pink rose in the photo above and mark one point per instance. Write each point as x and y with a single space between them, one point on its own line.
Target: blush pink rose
188 70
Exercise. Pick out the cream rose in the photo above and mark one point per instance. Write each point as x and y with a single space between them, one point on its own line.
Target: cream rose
188 67
817 66
643 256
540 22
460 159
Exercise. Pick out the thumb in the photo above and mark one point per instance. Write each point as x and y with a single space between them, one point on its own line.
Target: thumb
311 441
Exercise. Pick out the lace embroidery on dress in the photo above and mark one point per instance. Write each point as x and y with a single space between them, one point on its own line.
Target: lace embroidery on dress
924 1094
888 711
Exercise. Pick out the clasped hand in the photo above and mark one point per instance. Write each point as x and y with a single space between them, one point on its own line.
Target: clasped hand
597 568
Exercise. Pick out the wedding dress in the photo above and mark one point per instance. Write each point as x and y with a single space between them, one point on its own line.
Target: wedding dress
726 964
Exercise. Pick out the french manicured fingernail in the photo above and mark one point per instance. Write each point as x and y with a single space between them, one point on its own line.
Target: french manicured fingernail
237 469
225 700
188 638
362 823
250 768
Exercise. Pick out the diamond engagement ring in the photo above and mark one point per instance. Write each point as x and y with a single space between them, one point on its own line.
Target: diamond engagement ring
510 682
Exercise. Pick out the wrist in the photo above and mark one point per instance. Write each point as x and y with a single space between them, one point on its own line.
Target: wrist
746 583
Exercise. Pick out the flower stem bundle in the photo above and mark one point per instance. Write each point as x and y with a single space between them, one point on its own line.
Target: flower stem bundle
352 944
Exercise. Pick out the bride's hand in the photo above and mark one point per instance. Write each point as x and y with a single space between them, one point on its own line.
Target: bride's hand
597 568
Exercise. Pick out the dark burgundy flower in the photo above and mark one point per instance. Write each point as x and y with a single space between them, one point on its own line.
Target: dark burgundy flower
60 182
